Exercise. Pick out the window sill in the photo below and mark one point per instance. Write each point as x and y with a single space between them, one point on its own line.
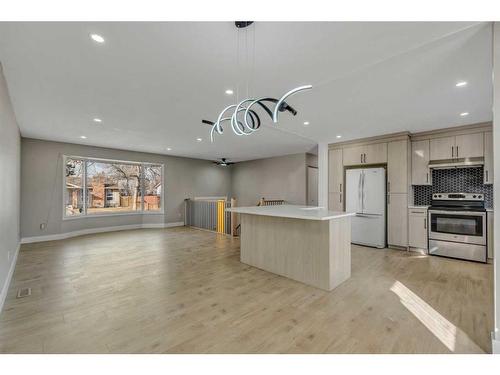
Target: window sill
93 216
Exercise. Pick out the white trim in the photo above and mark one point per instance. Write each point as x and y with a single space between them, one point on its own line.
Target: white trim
5 287
495 344
210 198
63 236
125 213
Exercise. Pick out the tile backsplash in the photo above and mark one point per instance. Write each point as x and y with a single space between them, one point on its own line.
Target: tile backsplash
460 180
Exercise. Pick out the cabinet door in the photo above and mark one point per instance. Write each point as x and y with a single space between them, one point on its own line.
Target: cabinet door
489 231
442 148
353 155
417 228
397 219
335 202
397 167
488 157
375 153
420 173
469 146
335 171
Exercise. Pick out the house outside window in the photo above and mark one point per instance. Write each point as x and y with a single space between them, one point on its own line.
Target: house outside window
106 187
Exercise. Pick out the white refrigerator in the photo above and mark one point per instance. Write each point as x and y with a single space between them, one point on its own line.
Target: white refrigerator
365 195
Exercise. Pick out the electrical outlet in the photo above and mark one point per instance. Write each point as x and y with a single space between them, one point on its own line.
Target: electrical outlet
43 226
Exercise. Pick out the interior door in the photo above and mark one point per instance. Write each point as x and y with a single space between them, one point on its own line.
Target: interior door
312 186
373 185
353 190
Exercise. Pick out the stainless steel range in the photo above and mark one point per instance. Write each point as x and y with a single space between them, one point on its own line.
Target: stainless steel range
457 226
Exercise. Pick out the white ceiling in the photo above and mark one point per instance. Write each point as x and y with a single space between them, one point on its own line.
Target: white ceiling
152 83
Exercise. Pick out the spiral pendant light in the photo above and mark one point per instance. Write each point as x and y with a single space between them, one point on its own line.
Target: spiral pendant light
243 119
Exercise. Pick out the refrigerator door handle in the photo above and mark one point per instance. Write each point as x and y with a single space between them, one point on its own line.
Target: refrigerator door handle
363 192
360 192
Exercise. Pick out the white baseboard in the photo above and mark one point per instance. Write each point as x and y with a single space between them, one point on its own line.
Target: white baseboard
63 236
495 344
5 287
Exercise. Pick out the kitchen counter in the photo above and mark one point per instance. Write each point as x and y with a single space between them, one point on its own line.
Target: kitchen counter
292 211
307 244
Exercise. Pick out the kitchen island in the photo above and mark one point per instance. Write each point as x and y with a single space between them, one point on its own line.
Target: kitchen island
308 244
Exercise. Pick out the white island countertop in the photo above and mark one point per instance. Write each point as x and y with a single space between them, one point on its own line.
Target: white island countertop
292 211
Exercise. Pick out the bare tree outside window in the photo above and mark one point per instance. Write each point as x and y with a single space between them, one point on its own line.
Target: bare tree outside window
73 192
111 187
152 188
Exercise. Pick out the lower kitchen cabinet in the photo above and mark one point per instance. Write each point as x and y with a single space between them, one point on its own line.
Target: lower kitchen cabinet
397 219
489 233
417 228
335 202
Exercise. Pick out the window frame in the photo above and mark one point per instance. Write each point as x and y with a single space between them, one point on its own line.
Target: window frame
84 214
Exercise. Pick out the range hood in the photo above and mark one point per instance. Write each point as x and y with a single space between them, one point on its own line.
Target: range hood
456 163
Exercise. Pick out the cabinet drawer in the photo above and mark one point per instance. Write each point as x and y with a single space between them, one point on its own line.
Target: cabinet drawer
418 212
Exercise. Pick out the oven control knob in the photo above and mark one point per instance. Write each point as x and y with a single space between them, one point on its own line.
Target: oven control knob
479 196
439 195
473 196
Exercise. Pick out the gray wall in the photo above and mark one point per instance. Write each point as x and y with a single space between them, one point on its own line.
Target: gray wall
10 157
282 177
312 160
42 183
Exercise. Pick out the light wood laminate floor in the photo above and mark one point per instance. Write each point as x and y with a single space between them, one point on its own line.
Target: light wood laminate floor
183 290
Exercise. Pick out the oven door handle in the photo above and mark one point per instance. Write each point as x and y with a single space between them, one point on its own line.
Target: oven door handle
463 213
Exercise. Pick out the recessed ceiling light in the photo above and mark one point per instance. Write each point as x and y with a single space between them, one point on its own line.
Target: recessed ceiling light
97 38
169 149
229 92
338 136
83 137
306 123
199 139
97 120
461 84
463 114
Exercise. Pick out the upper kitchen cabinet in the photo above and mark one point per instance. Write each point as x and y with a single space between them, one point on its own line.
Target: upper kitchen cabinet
353 155
457 147
442 148
397 167
488 158
469 146
420 173
335 171
375 153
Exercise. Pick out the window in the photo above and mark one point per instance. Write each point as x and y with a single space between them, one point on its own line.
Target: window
73 193
101 187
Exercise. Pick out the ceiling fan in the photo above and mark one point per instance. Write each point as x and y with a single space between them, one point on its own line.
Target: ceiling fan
222 162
